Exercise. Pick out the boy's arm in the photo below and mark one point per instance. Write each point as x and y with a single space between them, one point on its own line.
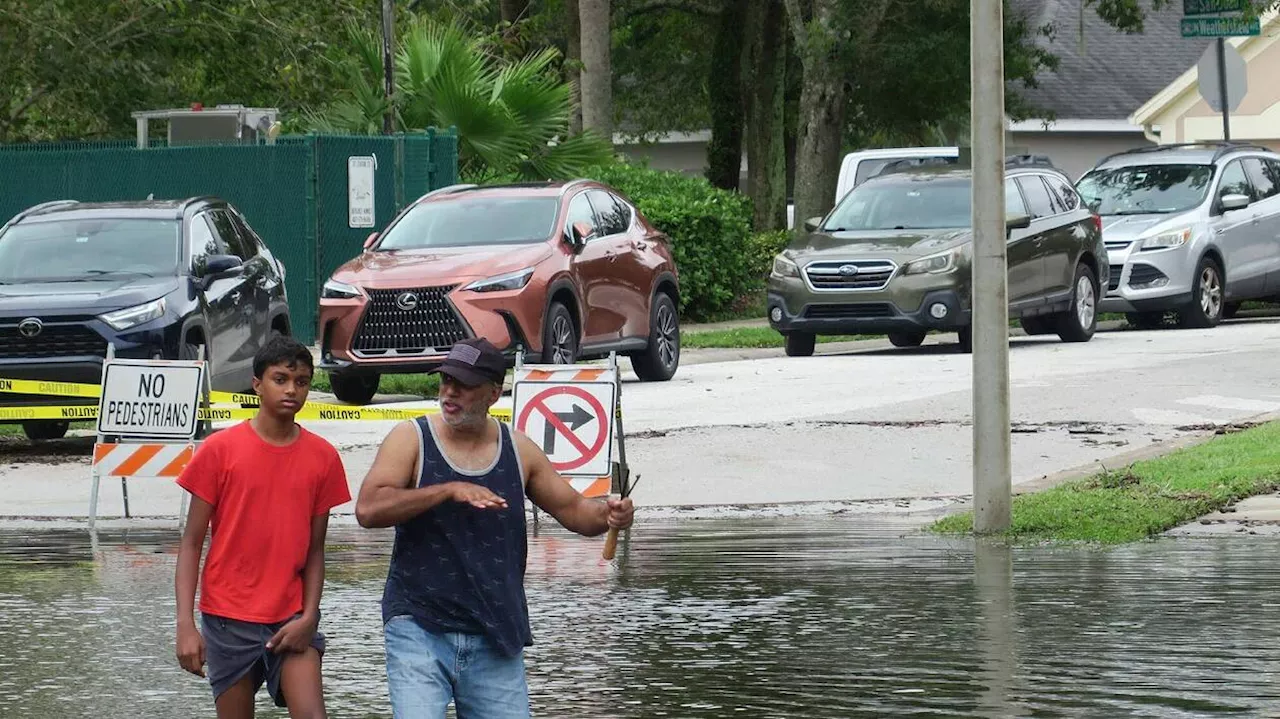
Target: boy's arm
386 496
295 636
547 489
190 647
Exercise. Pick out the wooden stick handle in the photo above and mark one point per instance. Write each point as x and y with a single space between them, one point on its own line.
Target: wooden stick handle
611 543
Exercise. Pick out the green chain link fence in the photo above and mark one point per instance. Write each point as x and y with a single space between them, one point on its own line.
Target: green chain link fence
294 193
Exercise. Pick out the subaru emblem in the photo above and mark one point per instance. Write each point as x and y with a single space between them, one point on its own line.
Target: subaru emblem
30 327
848 270
407 301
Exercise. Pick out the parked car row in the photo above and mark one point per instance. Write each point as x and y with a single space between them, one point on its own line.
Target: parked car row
563 271
1191 229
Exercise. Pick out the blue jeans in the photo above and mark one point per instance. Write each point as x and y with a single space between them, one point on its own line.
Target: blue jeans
426 670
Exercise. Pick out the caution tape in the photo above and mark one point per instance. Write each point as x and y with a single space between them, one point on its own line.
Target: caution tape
94 391
324 413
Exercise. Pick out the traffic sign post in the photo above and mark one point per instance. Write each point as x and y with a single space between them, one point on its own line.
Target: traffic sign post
153 405
1221 70
574 414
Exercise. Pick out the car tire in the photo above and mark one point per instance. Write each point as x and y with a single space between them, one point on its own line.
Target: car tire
966 339
1205 308
1039 325
907 339
661 358
800 344
559 336
1145 320
45 429
354 388
1080 322
1230 310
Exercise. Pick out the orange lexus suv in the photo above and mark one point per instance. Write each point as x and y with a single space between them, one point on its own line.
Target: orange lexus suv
564 271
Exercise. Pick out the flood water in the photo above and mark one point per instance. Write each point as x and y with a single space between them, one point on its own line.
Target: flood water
794 617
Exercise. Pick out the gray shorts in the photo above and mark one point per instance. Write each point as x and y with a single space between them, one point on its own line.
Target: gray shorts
233 649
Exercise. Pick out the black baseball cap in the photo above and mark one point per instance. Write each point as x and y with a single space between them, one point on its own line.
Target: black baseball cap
473 362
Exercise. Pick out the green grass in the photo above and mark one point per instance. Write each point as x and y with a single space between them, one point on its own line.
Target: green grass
422 385
1148 497
15 430
749 338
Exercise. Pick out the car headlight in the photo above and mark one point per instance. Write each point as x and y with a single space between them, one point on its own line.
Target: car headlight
134 316
782 267
1166 240
510 281
335 290
935 264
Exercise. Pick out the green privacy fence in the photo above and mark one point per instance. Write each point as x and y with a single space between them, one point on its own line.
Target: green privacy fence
296 193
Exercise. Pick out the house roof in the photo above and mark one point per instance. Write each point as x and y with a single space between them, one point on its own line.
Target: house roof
1113 73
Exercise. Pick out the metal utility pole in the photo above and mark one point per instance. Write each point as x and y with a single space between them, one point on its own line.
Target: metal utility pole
992 483
388 69
1222 88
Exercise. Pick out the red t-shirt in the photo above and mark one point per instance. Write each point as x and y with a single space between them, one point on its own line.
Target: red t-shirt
263 498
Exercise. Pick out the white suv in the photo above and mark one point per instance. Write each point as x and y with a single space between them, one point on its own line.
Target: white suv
1193 229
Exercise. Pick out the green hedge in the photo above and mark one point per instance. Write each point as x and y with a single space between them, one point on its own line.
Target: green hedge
710 231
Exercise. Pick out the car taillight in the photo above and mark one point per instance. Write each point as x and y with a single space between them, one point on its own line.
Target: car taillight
1097 221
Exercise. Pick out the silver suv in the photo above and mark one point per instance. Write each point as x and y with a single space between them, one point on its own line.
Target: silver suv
1193 229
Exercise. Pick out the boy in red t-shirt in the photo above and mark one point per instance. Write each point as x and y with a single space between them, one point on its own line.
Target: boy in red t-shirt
267 486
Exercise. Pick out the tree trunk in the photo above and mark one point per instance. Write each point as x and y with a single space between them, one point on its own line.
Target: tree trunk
766 62
724 152
573 63
513 10
597 77
822 109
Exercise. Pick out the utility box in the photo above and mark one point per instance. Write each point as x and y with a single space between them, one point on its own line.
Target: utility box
220 124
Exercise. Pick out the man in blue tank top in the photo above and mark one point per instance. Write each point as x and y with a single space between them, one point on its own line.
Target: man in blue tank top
455 619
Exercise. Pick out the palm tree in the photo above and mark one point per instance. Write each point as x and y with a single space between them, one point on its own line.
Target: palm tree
512 117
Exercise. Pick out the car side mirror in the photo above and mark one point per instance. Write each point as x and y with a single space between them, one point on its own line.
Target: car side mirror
581 233
1017 222
218 266
372 238
811 224
1234 202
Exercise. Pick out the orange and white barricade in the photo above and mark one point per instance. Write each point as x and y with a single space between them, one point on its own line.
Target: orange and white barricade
137 460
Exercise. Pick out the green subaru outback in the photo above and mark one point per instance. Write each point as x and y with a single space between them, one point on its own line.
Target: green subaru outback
894 256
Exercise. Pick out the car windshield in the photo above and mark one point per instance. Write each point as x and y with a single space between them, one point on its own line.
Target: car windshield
904 203
479 220
1145 189
72 250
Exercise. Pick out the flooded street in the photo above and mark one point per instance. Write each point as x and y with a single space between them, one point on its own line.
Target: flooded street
814 617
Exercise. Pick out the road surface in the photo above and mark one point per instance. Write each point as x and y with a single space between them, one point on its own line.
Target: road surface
871 422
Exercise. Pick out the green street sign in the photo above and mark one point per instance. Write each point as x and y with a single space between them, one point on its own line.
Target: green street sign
1213 7
1220 27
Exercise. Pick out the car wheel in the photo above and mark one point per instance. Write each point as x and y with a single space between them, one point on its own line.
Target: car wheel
907 339
354 388
1145 320
560 336
1206 306
662 357
1230 310
1037 325
966 339
40 430
1080 322
800 344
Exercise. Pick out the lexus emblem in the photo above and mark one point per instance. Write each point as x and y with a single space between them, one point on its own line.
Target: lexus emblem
30 327
848 270
407 301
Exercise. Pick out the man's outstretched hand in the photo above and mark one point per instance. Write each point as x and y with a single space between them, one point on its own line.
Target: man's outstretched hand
477 496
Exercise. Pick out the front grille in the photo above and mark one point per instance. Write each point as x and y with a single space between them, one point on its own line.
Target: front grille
852 275
1141 275
1118 244
53 341
1113 282
428 326
862 310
